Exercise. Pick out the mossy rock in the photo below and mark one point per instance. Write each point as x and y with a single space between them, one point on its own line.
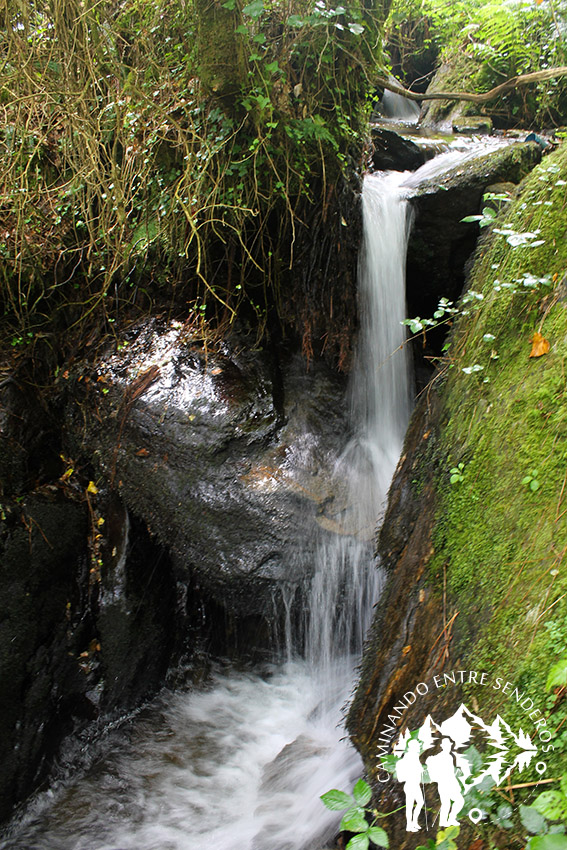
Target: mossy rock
473 124
454 74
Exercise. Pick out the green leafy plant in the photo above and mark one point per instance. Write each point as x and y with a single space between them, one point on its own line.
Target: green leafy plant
485 41
531 480
457 474
444 840
557 676
541 819
484 219
547 842
488 217
553 804
355 817
155 144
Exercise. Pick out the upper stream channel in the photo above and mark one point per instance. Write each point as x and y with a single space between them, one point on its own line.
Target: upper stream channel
240 763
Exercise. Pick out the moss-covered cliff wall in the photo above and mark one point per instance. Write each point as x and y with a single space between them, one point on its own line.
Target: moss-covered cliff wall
476 559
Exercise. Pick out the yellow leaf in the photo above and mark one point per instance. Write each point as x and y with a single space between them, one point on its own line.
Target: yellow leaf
100 521
540 345
92 488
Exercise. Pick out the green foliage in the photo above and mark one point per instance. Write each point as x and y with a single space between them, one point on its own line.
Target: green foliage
532 820
472 300
456 473
134 164
552 805
355 818
557 677
484 219
531 480
444 840
487 41
547 842
499 545
548 806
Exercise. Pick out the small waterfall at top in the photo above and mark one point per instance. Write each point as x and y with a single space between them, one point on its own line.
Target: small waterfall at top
241 765
397 108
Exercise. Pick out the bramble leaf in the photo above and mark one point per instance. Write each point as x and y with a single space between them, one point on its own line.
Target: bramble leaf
551 804
531 819
336 800
379 836
362 793
358 842
354 821
548 842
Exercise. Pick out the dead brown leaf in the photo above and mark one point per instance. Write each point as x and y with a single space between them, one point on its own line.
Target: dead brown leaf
540 345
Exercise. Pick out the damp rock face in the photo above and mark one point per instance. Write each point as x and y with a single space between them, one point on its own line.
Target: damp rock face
79 641
223 455
441 243
399 652
74 647
209 468
393 151
42 553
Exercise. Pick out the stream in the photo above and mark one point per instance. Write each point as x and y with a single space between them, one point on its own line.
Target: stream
240 763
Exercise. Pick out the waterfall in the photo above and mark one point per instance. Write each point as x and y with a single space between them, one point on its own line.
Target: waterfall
346 582
398 108
380 389
240 765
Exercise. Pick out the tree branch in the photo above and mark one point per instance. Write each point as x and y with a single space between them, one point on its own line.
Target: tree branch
483 97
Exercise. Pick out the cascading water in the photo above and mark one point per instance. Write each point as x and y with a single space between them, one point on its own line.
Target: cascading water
345 584
397 108
241 765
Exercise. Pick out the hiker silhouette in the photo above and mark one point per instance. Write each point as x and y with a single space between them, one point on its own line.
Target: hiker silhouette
409 771
442 771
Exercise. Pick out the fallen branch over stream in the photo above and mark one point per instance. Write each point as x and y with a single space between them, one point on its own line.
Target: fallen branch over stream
483 97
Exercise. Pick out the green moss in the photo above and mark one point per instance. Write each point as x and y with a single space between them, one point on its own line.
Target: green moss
500 546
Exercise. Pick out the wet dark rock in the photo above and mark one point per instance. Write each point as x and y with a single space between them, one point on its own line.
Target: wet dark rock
76 645
12 452
43 556
394 152
72 648
210 467
28 443
223 455
135 613
441 243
